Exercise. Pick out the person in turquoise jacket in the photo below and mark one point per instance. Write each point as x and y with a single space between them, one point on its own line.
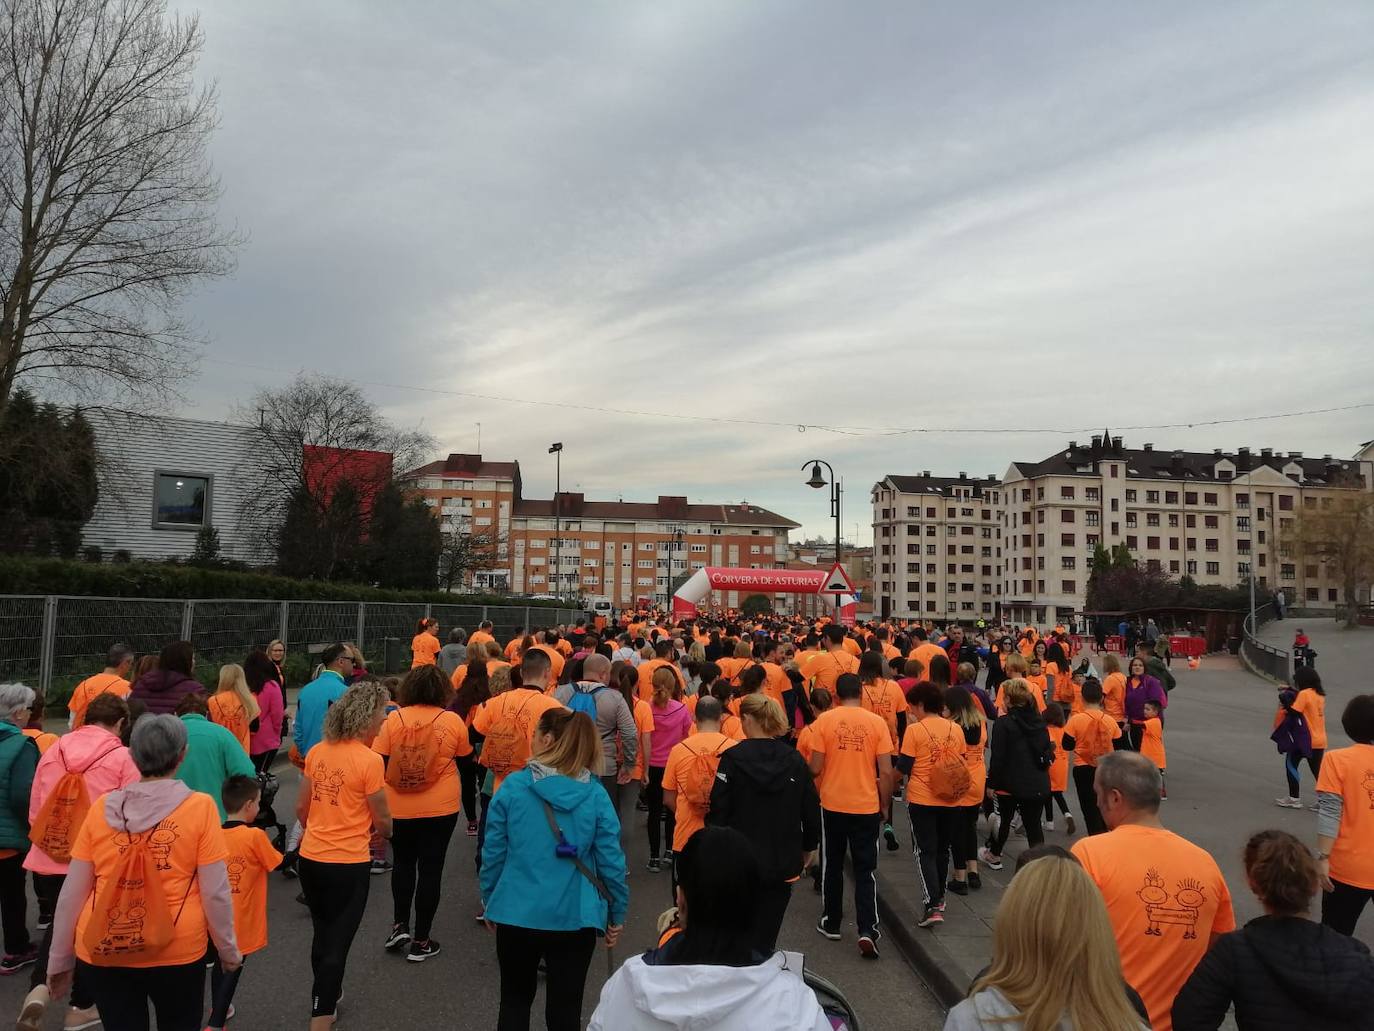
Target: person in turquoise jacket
317 696
213 754
18 760
537 882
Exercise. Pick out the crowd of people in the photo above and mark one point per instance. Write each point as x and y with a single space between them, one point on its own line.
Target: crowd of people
754 755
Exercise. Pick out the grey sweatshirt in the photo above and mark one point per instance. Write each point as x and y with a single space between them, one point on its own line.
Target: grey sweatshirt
614 721
982 1011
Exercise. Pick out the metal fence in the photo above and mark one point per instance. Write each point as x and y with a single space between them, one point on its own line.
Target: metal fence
52 641
1267 661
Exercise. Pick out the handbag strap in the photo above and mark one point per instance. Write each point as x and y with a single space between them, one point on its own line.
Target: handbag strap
582 867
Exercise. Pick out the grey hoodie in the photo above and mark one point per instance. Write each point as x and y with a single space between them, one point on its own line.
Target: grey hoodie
614 722
988 1010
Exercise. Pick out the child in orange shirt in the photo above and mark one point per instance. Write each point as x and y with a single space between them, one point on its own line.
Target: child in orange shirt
1152 744
251 858
1059 769
1039 683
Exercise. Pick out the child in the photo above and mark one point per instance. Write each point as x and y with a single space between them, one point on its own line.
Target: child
251 858
1039 683
1059 769
1152 743
820 701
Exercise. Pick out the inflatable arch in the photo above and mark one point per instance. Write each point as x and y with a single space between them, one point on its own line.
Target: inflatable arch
756 581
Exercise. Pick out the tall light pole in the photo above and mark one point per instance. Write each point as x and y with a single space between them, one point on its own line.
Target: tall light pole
557 451
817 481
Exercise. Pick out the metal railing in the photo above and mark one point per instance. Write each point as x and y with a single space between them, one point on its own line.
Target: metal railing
1263 659
51 642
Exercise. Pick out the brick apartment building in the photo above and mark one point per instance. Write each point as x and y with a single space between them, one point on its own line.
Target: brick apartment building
1212 516
624 551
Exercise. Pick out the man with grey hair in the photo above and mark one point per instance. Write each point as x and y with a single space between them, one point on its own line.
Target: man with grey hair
1166 897
614 721
18 760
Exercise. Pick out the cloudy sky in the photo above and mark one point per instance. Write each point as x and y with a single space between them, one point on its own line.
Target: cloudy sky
1032 219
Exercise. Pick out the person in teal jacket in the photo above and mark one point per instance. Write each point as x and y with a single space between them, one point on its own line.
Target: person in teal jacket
213 754
18 760
539 901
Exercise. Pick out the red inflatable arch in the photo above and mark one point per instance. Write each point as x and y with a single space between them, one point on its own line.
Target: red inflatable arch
756 581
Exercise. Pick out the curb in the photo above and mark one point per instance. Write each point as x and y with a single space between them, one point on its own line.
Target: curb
925 954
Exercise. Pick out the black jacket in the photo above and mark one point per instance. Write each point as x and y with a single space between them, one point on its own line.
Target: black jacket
1281 973
764 790
1021 754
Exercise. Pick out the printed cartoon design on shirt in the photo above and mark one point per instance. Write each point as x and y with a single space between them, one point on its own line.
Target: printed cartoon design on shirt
159 845
1368 783
851 737
1189 900
327 787
124 931
235 866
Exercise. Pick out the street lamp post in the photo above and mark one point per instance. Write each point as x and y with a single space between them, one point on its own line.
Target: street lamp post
817 481
557 451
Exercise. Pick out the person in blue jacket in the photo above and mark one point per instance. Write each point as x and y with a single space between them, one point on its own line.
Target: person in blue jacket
311 706
553 872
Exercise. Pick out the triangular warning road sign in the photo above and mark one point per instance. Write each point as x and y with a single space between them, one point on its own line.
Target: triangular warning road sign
837 581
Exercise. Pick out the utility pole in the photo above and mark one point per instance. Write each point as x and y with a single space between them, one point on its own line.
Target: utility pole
557 451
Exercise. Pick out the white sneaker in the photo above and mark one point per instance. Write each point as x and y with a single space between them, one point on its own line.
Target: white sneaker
1068 822
994 824
989 860
1047 825
1288 803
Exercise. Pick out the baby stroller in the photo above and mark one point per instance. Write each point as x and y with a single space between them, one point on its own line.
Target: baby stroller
833 1003
267 816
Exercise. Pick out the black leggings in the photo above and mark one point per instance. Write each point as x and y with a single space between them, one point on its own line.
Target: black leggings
1087 799
1056 799
1136 734
222 988
964 842
418 848
122 995
470 776
1341 908
1291 764
262 762
1030 809
566 956
14 904
654 796
337 896
47 886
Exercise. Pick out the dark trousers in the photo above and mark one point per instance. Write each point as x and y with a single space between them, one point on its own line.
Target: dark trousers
1030 810
484 802
1135 733
1087 799
469 776
262 762
769 911
617 791
337 896
14 905
122 995
47 886
1122 743
566 956
964 840
932 838
1341 908
1056 799
1293 761
660 820
222 988
418 848
857 833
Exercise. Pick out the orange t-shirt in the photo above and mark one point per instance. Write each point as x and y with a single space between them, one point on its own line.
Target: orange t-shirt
1039 686
1165 898
226 709
556 663
928 741
1349 772
41 738
1114 696
343 776
251 858
479 637
187 838
513 649
1313 708
885 699
441 797
731 726
852 739
1037 695
804 741
686 762
1152 742
423 649
824 668
776 684
1059 769
923 653
1093 732
87 690
644 724
646 677
522 705
975 758
852 647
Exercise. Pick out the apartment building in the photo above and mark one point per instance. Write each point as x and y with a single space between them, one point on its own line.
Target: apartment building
629 552
938 547
1212 516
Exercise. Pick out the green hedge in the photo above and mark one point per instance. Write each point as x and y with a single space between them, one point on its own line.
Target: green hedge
23 575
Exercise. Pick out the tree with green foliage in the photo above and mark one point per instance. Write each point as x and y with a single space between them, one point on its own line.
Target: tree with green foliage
206 551
48 477
403 544
756 605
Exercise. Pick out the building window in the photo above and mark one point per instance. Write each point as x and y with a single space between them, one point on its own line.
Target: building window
1093 493
1092 518
1243 524
1067 540
1213 568
1208 498
1151 518
1151 543
1068 562
1173 519
1111 471
1287 571
1152 497
1069 586
1285 502
1130 520
1190 497
1211 544
1211 522
1066 492
1130 497
1066 516
1132 541
1171 497
1190 567
1173 543
181 501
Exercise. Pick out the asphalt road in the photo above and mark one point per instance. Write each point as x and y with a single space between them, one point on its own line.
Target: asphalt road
460 987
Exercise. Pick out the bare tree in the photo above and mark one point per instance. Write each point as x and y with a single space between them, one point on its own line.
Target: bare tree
107 198
463 554
1340 535
314 434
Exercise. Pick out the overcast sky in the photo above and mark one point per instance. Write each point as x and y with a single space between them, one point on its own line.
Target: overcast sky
951 216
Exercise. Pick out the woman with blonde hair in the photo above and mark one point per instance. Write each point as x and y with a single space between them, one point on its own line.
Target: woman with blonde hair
553 873
233 706
1054 959
342 797
764 790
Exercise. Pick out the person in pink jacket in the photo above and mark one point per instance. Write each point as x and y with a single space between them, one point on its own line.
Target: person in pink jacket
672 723
95 751
263 680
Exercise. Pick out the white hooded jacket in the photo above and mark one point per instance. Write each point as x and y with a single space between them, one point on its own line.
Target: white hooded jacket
768 997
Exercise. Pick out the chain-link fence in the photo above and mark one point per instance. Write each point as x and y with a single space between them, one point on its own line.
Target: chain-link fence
52 642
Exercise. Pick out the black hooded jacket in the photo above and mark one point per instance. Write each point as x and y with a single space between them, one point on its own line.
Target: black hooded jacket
1281 973
1021 754
764 790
